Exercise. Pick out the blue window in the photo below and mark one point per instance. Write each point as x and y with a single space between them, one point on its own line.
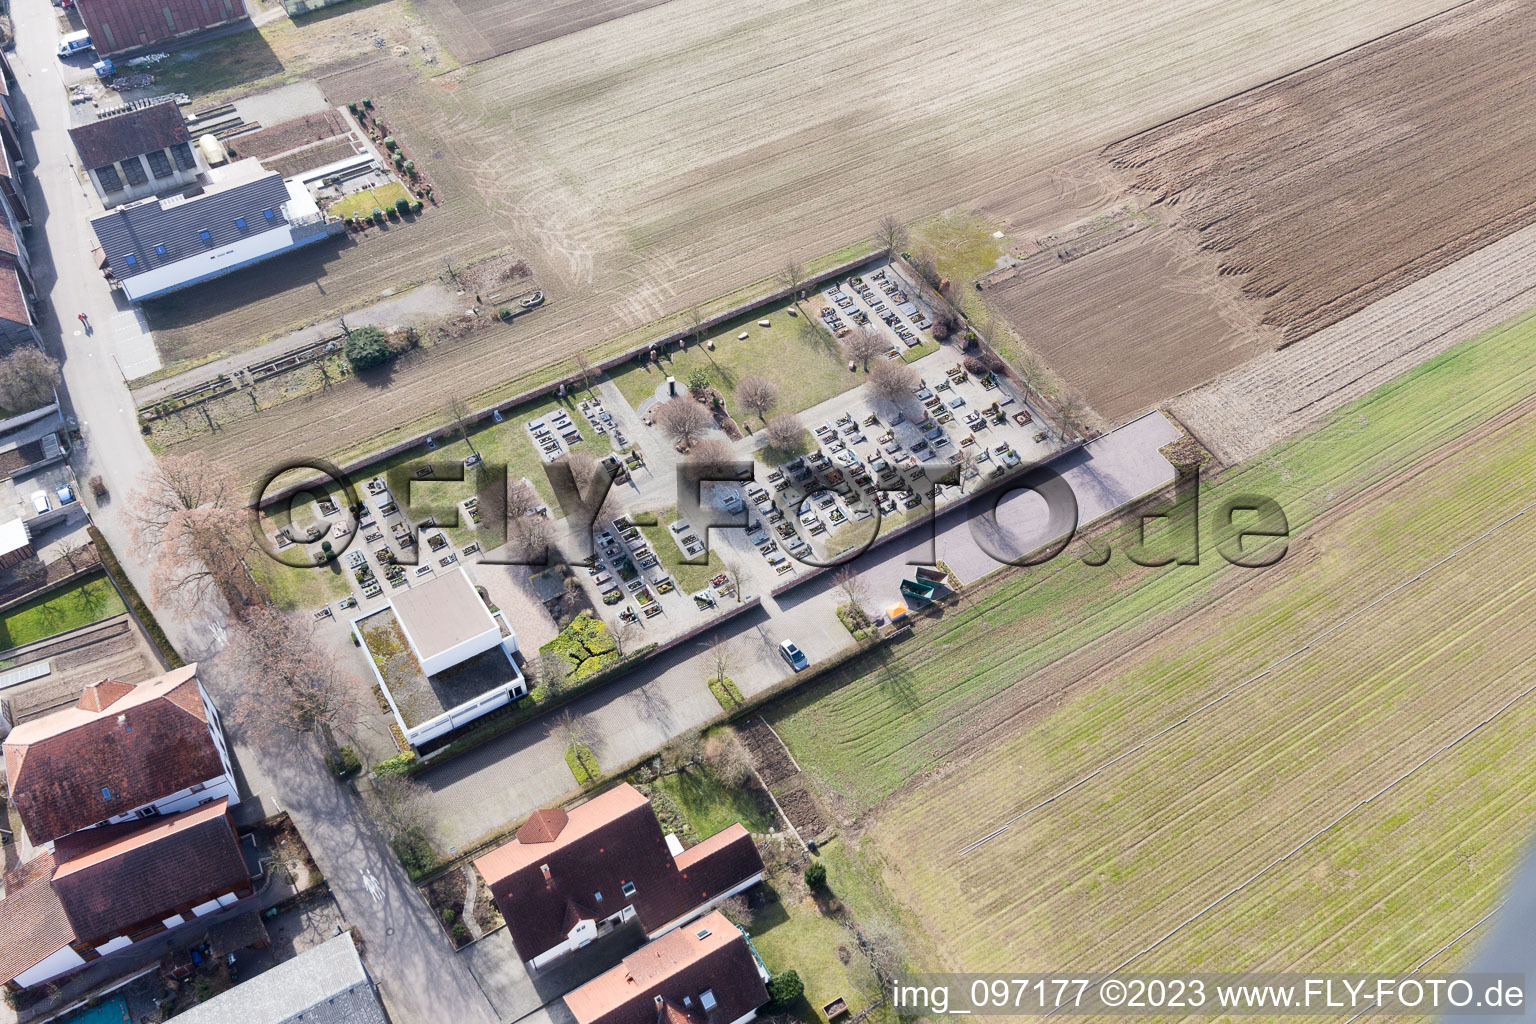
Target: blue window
240 223
159 250
597 897
204 235
268 214
131 260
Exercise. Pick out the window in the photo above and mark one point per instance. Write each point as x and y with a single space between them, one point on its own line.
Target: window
159 250
109 180
183 154
204 235
159 164
240 223
707 999
199 788
629 888
702 933
106 794
268 214
131 260
598 897
133 170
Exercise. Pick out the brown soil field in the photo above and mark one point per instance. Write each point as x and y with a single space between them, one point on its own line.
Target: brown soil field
688 150
476 30
1132 323
1333 187
1284 392
280 138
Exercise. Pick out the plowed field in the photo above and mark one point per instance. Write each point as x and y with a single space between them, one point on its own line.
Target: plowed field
687 150
1338 185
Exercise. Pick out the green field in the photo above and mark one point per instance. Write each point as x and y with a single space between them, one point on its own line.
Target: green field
77 604
804 361
362 204
689 578
1251 804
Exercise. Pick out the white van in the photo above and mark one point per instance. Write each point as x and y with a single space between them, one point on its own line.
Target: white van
75 42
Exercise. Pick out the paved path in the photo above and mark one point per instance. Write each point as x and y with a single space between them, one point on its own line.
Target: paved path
500 782
423 983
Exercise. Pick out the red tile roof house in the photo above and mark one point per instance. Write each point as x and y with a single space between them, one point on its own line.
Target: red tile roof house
103 889
705 973
137 150
568 878
126 751
117 26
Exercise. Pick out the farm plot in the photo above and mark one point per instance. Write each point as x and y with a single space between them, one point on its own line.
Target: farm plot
1340 184
1015 647
1133 323
475 30
686 151
1342 681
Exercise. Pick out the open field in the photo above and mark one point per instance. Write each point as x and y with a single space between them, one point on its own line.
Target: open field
478 29
1015 645
686 151
1340 184
1134 323
1343 680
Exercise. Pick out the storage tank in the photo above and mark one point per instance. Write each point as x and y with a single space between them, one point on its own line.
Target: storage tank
213 150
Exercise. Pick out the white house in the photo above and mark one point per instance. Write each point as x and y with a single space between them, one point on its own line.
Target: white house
440 625
125 751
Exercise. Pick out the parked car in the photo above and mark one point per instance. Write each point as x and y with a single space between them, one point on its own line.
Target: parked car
65 495
794 655
40 502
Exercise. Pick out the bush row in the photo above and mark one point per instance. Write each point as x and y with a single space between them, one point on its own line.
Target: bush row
135 602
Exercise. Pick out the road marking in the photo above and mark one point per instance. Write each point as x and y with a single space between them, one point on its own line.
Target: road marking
372 885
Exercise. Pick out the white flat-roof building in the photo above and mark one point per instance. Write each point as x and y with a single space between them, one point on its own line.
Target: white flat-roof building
441 656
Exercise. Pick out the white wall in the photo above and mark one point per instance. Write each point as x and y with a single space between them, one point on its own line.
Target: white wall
113 945
62 962
461 652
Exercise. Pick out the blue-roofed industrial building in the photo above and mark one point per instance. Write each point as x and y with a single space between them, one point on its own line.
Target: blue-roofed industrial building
242 216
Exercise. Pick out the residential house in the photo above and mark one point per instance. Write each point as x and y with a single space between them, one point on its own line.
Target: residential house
326 984
243 215
567 878
117 26
137 150
705 973
124 752
103 889
441 657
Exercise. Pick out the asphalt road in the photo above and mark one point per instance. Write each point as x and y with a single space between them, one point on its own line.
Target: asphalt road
421 979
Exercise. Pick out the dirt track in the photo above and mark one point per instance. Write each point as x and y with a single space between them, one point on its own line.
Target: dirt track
688 150
1341 184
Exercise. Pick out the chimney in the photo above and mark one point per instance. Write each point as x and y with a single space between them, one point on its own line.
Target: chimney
545 868
658 1002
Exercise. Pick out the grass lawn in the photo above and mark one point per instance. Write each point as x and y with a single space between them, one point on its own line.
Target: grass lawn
689 578
363 203
794 934
960 243
926 347
881 719
294 588
804 361
78 604
710 805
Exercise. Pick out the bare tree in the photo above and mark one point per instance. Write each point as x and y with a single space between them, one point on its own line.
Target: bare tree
31 572
405 806
737 576
891 233
719 656
624 636
458 411
1031 374
710 460
73 550
758 395
885 952
528 527
187 517
682 753
785 432
854 591
1070 409
291 683
793 276
585 370
727 757
570 729
28 376
864 345
892 380
738 910
683 420
695 324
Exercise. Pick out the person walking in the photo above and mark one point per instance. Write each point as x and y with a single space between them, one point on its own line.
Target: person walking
84 322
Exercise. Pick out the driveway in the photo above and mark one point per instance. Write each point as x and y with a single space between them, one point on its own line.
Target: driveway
490 788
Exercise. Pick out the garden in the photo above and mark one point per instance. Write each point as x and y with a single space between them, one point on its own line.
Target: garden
69 607
583 648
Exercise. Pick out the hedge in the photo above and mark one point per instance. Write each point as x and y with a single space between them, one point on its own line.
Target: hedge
583 764
726 692
135 603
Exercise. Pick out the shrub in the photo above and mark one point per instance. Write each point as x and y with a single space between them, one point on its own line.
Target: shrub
367 102
785 987
98 487
390 143
367 347
448 915
726 692
399 160
410 168
460 931
394 214
583 764
352 107
377 215
402 206
401 764
415 205
344 762
816 875
504 313
414 851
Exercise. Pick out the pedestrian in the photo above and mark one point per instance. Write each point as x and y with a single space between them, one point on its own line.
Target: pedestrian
83 320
